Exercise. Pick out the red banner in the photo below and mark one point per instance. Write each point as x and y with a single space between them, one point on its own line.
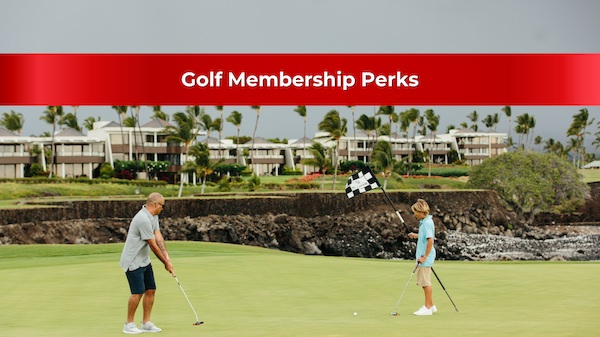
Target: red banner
299 79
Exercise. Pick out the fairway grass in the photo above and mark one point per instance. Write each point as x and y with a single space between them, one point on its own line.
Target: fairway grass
248 291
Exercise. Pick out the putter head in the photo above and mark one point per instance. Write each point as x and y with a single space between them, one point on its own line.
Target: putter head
198 323
395 314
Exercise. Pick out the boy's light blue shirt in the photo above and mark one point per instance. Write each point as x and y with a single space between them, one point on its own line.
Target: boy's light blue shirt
426 230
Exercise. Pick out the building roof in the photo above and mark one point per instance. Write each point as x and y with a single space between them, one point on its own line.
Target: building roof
210 140
359 133
303 140
259 140
594 164
157 123
112 125
69 132
5 133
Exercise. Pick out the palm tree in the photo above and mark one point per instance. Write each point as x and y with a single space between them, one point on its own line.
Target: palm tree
236 119
508 113
496 119
573 145
52 115
580 123
13 121
335 127
433 121
319 160
120 109
158 113
353 127
549 145
423 127
133 120
396 119
597 140
129 122
510 143
389 111
202 165
220 109
70 120
520 131
257 108
195 112
464 125
531 126
206 123
75 110
474 117
184 133
218 126
489 121
384 161
450 127
137 118
301 110
88 123
413 117
538 141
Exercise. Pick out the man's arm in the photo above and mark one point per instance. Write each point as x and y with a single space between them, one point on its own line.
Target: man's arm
157 251
160 242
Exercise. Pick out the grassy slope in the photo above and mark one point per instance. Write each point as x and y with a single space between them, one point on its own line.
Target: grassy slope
247 291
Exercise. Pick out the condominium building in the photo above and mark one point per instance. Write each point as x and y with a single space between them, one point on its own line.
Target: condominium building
79 155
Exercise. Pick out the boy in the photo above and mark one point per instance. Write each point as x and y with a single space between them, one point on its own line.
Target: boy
425 254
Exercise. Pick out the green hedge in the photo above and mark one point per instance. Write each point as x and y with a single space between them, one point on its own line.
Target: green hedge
42 180
444 172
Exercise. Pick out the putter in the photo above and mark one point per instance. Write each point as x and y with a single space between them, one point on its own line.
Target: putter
411 276
197 321
444 289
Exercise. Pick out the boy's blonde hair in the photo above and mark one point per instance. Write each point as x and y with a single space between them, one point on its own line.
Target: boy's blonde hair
421 206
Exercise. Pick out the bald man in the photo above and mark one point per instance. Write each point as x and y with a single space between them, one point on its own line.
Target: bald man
144 235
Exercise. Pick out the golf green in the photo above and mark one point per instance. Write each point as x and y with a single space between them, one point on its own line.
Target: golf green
249 291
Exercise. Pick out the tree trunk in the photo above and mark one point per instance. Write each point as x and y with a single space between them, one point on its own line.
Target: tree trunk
323 180
353 130
304 147
135 144
337 149
203 183
237 147
52 158
254 136
143 146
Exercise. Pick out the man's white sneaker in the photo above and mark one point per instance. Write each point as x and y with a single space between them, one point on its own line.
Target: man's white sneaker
433 309
423 311
150 327
131 328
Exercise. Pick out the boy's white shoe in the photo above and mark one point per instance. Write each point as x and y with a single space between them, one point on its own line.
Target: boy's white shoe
150 327
423 311
131 328
433 309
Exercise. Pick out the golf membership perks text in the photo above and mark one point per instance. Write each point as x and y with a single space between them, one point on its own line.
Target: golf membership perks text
325 79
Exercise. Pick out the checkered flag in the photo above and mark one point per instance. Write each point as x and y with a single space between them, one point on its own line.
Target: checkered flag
361 182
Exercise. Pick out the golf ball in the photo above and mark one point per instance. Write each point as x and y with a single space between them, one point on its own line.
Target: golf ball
355 314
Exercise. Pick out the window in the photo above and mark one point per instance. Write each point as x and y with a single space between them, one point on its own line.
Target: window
117 139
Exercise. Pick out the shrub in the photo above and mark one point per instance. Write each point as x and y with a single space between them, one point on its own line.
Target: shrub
224 185
36 170
288 171
234 170
106 171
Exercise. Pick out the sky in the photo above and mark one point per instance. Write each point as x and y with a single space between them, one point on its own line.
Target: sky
318 26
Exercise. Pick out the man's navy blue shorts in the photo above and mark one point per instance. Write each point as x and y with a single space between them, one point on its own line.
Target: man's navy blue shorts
141 279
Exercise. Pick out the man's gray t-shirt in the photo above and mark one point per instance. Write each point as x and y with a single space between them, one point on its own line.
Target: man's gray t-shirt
136 252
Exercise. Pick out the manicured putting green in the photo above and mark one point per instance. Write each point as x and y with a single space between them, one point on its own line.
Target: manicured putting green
248 291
